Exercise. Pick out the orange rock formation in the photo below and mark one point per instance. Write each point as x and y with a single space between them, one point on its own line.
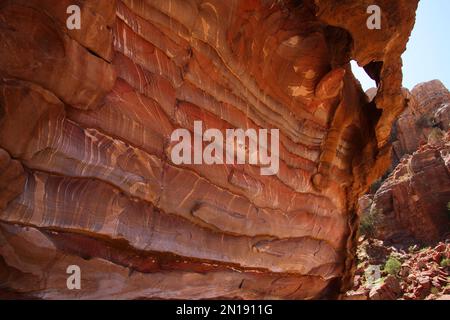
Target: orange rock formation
85 124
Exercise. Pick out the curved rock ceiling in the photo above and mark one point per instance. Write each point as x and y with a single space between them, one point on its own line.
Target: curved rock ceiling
85 125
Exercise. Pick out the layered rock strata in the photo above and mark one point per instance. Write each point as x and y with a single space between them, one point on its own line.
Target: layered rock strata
428 109
85 125
411 205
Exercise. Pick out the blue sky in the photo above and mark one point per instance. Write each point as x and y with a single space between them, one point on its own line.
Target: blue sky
428 53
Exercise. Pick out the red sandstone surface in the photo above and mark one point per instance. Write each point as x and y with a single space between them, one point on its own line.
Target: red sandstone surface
408 218
412 203
86 116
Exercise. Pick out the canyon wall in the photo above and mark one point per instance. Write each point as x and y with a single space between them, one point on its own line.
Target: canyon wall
86 116
410 206
428 109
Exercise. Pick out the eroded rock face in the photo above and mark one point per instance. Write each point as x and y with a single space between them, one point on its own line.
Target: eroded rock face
86 122
412 203
428 108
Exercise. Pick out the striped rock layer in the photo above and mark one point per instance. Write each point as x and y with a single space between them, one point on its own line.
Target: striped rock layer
86 116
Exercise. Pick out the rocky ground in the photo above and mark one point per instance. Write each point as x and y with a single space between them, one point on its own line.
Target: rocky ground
390 272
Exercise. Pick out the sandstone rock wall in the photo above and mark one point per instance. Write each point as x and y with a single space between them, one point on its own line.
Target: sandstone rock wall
411 204
428 108
85 124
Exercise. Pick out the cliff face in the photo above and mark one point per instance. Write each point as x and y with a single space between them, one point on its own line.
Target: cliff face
411 204
428 108
86 117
